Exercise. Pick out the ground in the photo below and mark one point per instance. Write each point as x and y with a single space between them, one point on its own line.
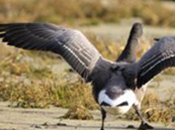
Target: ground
48 119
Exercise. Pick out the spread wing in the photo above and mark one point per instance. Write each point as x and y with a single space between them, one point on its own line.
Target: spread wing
72 45
158 58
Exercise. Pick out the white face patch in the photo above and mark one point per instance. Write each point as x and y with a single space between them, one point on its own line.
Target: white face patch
128 96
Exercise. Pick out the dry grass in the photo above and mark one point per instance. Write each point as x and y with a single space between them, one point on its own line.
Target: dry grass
85 12
154 110
79 113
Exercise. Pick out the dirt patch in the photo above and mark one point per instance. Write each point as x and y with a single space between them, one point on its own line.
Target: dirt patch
48 119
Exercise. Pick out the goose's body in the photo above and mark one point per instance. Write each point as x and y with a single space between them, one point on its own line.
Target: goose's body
117 85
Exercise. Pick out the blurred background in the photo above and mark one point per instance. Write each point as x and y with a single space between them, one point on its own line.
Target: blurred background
40 80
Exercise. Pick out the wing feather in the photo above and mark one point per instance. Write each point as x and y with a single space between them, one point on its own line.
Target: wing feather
72 45
158 58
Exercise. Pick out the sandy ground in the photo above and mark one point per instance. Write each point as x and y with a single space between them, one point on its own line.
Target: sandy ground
48 119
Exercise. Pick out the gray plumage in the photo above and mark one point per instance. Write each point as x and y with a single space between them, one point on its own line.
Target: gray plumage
72 45
158 58
115 84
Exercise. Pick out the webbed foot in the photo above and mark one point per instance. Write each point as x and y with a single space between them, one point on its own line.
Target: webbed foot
102 129
145 126
130 127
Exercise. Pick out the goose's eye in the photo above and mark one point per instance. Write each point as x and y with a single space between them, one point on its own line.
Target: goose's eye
123 104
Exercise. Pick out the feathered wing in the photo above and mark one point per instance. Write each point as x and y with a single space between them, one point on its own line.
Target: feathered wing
129 52
72 45
158 58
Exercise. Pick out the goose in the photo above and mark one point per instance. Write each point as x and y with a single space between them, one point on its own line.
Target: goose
117 85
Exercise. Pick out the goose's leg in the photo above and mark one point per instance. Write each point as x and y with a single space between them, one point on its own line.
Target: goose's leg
103 112
144 125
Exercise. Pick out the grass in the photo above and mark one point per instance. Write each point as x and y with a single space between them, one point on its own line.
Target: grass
30 82
78 112
86 12
154 110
